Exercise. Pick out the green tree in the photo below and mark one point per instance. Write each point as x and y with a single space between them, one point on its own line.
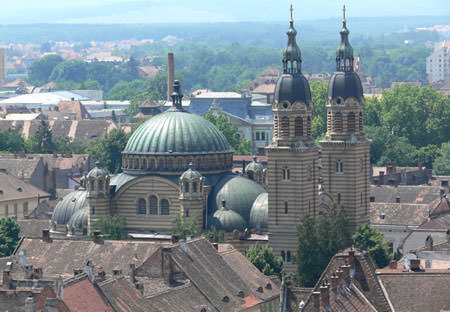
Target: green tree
262 257
370 239
426 155
42 141
111 226
214 235
241 146
11 141
107 150
9 236
441 165
40 71
308 257
184 227
71 70
319 94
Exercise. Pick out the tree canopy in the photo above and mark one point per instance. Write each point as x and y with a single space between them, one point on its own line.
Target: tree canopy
111 226
370 239
441 166
9 236
262 257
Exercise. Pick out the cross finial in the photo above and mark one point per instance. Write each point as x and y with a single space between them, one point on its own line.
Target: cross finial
292 10
344 20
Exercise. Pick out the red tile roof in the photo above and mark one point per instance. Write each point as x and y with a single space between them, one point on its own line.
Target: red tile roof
83 296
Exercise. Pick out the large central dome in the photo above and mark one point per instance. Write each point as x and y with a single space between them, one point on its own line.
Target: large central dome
177 132
167 143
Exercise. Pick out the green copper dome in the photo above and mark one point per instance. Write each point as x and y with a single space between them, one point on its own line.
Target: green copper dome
68 206
177 132
260 212
227 220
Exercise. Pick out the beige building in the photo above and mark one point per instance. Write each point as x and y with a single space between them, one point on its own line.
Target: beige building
17 197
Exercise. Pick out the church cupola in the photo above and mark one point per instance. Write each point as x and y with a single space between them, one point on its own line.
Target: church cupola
191 184
344 52
176 95
97 182
292 105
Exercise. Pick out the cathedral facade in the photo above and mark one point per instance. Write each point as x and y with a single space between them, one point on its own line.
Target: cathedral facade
178 163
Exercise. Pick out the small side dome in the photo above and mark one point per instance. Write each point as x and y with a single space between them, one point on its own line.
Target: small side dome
239 193
227 220
67 206
293 88
260 212
191 174
79 219
254 166
345 85
97 172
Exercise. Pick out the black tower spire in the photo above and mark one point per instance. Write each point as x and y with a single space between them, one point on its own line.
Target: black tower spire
292 56
344 52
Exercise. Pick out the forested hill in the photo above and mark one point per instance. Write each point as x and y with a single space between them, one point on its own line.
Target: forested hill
266 34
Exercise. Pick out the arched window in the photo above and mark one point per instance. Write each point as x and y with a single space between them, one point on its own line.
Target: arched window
186 187
360 122
170 164
136 163
283 256
351 122
275 126
288 256
161 164
285 207
152 164
153 205
339 166
308 126
285 127
338 122
298 126
142 206
165 207
286 174
100 186
144 163
186 212
194 187
339 198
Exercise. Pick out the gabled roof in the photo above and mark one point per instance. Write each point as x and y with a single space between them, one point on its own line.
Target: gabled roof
398 213
123 296
12 188
61 256
442 207
420 194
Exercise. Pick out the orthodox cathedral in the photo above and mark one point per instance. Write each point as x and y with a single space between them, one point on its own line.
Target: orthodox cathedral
179 163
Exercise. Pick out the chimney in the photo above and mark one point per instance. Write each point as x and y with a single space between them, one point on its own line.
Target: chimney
6 278
324 295
133 273
429 243
397 199
334 281
28 272
345 273
414 264
167 265
393 265
351 259
316 301
89 270
37 273
51 305
170 75
59 288
45 235
98 237
30 305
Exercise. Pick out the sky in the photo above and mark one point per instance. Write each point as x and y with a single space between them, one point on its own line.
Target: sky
157 11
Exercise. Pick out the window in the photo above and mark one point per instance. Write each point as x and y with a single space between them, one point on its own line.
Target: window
285 126
25 208
257 136
339 166
186 187
144 163
360 122
153 205
152 164
165 207
186 212
283 256
142 209
170 164
285 207
351 122
263 136
288 256
286 174
298 127
339 198
308 126
100 185
6 211
15 210
180 163
93 210
329 122
338 122
194 187
161 164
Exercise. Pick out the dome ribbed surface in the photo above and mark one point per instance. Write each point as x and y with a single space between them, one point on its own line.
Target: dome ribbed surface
228 220
260 212
293 88
239 194
177 132
79 219
345 85
67 206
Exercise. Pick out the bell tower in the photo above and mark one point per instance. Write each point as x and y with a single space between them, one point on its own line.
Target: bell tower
345 148
97 182
292 155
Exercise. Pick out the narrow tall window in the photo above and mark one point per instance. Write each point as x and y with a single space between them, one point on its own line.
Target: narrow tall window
351 122
285 127
298 126
339 166
283 255
286 174
360 122
338 122
165 207
339 198
288 256
153 205
285 207
308 126
142 206
194 187
186 187
329 122
152 164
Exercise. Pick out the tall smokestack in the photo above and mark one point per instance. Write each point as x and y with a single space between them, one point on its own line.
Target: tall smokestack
170 76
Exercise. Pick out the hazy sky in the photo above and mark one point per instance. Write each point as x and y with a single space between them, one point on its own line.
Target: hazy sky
129 11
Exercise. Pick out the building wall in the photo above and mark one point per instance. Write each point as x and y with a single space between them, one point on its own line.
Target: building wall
125 203
17 207
438 63
299 191
351 186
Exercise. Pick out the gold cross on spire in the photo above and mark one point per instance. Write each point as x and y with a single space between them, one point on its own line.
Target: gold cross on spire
292 10
344 20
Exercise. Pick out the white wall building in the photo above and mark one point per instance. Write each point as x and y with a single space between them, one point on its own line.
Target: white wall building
438 63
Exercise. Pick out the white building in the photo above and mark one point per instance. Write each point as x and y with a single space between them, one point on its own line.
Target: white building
438 63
